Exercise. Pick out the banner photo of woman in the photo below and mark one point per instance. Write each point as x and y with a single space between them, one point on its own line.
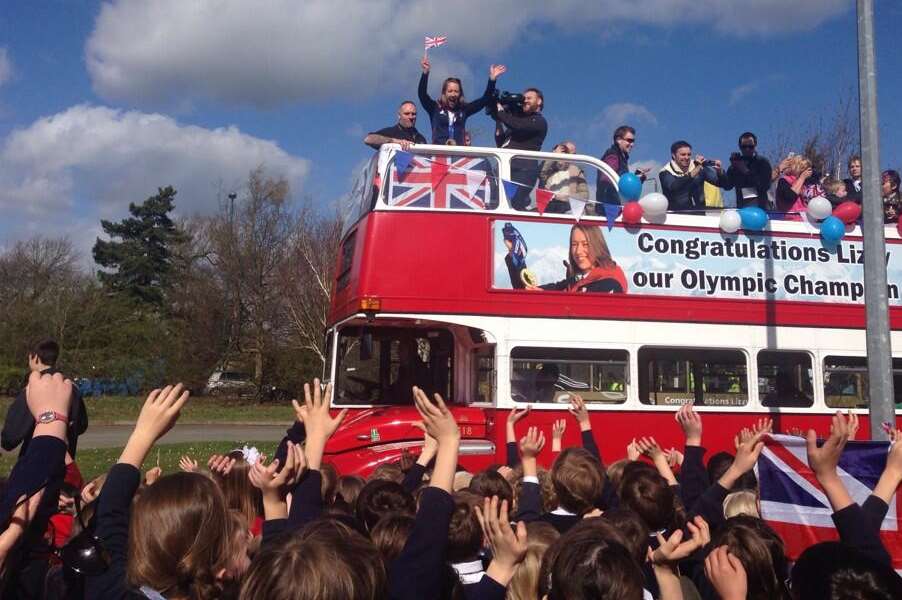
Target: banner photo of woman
588 266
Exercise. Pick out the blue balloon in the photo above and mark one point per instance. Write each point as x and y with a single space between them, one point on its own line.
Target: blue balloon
832 229
753 218
630 186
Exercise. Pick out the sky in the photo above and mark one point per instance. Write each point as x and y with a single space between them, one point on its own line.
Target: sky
101 103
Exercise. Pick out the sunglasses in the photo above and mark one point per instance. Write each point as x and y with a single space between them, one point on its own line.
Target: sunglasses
629 140
747 146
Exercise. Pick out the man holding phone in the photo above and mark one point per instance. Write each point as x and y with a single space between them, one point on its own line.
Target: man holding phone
749 174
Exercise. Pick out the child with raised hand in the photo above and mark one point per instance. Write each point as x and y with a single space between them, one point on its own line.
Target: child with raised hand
513 417
847 515
579 411
508 546
178 543
693 476
418 571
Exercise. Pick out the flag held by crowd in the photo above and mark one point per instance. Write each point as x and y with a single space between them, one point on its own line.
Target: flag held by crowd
796 507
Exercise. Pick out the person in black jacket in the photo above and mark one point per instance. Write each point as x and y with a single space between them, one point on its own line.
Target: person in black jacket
749 174
19 425
448 116
404 132
683 179
523 129
618 158
853 182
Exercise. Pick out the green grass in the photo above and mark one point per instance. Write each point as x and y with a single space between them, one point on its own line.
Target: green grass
109 409
94 461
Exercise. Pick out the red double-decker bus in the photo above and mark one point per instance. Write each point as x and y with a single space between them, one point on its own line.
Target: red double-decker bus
442 285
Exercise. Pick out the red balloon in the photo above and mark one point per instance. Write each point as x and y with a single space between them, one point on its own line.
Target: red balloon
632 213
847 212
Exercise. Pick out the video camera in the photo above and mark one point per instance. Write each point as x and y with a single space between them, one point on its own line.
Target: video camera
510 101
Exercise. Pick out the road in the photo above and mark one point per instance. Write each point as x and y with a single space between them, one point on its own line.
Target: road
111 436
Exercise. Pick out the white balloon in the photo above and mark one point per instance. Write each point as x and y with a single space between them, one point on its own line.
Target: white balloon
654 204
730 221
819 208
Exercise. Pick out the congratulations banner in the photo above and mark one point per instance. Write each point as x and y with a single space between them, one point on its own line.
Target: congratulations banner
535 256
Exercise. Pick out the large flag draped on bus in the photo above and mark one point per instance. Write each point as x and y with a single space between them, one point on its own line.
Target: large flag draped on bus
442 182
793 503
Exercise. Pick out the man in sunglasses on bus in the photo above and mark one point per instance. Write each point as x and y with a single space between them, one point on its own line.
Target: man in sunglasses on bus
618 158
749 174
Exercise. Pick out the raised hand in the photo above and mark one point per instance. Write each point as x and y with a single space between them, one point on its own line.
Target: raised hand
269 479
674 458
317 419
557 434
220 464
157 416
508 546
691 423
437 419
273 483
674 548
749 447
580 412
187 464
823 460
153 475
430 446
853 424
161 411
425 64
632 451
650 448
726 574
532 443
440 424
892 472
495 71
512 418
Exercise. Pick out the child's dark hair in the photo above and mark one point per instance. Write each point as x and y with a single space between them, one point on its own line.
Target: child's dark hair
381 497
490 483
647 494
634 531
835 571
464 531
761 552
390 534
590 561
326 560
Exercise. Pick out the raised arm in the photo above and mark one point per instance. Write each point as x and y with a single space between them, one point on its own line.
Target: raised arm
693 475
427 102
306 497
488 95
530 500
513 458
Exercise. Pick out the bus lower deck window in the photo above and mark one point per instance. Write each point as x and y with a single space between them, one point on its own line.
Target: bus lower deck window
708 377
785 378
552 375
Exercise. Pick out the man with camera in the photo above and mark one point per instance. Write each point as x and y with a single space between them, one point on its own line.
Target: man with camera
683 179
519 125
749 174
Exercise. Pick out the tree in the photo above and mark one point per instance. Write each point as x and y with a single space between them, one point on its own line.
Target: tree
308 280
249 244
140 263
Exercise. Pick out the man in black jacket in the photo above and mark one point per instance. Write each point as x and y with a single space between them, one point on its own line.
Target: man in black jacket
523 130
404 132
19 424
853 183
683 179
749 174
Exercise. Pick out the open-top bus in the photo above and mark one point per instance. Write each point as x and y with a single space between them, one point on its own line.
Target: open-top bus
442 285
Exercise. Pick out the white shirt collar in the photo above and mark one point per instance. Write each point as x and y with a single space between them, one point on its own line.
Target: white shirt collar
469 572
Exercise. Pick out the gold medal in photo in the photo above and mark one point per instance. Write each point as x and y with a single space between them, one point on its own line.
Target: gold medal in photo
528 278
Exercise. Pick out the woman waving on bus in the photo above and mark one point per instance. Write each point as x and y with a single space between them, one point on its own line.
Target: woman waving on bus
448 115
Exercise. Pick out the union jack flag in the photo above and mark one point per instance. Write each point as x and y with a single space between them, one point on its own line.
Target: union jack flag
435 42
793 503
442 182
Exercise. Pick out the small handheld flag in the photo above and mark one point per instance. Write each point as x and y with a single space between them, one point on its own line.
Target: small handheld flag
435 42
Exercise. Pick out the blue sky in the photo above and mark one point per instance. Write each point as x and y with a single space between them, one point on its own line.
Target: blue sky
101 102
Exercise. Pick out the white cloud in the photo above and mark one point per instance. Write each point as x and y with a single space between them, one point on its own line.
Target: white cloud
6 66
283 51
89 162
622 113
741 91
